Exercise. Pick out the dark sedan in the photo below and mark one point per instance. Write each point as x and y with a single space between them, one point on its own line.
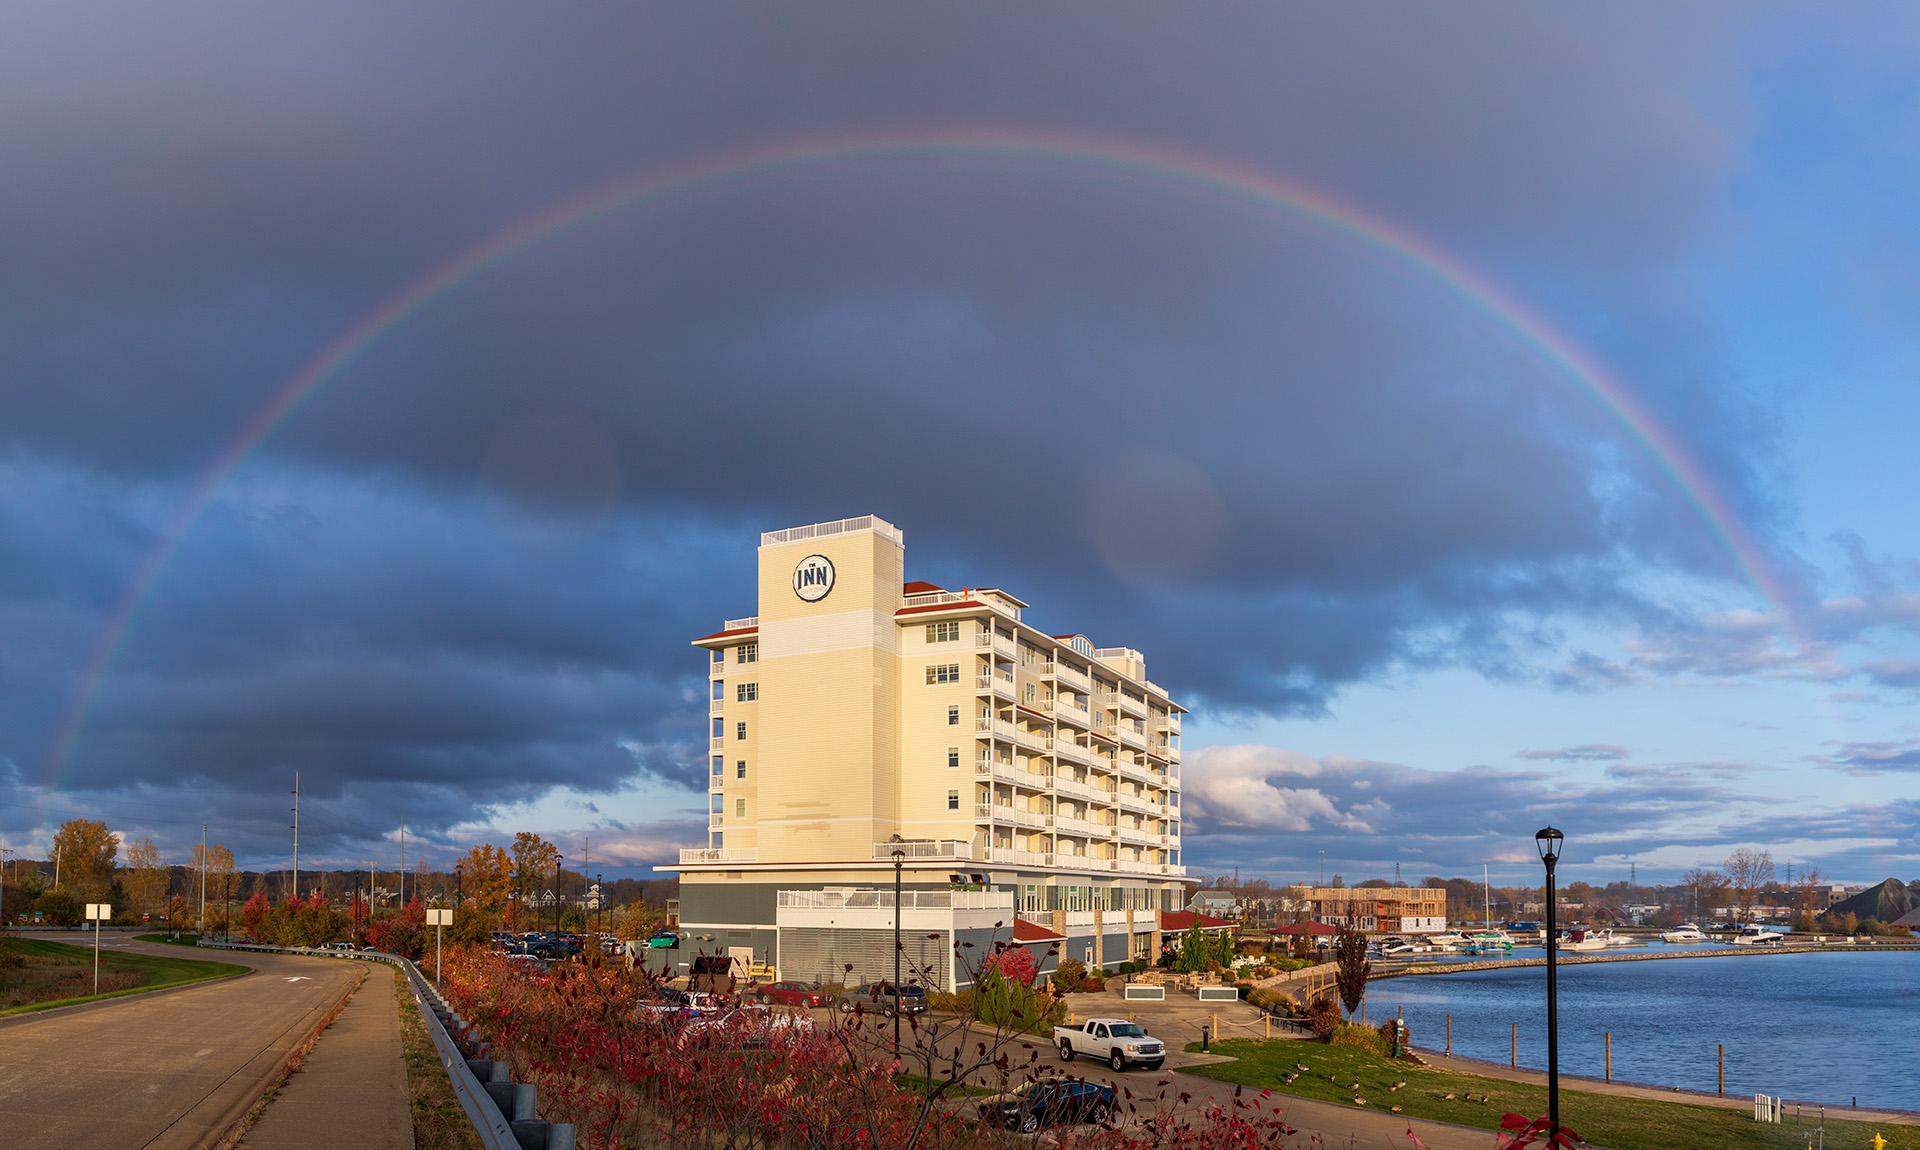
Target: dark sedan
790 993
1050 1104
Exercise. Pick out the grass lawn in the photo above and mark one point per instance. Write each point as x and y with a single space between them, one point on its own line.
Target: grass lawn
1602 1119
36 975
439 1121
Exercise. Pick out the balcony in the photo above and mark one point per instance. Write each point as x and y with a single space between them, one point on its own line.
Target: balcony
717 707
1073 825
1008 773
1067 711
1129 801
693 855
872 898
998 683
995 642
1173 754
1132 705
1041 741
1139 772
1071 787
994 728
741 624
719 742
714 821
1073 752
1139 836
716 668
956 600
924 849
1130 736
1019 857
1011 815
1068 675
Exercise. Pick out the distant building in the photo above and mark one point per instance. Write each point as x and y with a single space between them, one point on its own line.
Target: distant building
1381 910
1219 903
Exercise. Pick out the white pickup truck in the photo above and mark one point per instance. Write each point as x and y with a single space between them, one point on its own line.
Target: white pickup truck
1115 1041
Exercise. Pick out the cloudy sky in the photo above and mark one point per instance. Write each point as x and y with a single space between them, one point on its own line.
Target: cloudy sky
1483 420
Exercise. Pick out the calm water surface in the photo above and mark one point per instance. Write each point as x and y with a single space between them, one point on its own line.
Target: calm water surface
1810 1027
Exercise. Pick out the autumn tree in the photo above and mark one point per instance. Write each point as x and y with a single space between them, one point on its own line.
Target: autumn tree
1747 871
487 877
1809 898
534 858
83 852
1352 968
146 879
1705 887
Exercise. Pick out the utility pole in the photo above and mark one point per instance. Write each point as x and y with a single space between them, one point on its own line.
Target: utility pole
203 878
296 834
4 852
403 864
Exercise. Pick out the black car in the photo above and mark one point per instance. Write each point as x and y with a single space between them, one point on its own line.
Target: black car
1050 1104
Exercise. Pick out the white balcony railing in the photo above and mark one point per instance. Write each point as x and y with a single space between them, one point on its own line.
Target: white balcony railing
999 683
1073 752
1011 815
998 728
719 742
994 641
719 855
717 668
1130 736
924 849
1019 857
717 707
875 898
956 599
714 821
1133 705
1072 787
741 624
1072 676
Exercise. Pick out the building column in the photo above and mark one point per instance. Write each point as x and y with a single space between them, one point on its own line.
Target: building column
1099 938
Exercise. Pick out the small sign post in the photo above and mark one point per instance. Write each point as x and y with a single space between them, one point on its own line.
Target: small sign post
438 917
97 913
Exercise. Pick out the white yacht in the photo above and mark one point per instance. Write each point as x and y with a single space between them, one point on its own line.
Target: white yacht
1754 934
1582 939
1685 932
1446 941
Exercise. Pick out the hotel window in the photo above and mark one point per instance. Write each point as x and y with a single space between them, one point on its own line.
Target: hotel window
953 800
719 766
947 632
746 692
740 808
747 653
719 803
740 769
719 728
943 673
1030 692
740 731
953 716
719 689
953 756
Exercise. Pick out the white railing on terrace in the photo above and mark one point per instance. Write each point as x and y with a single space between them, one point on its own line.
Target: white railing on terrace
871 523
1132 705
1173 754
993 639
1072 675
1016 816
998 728
741 624
1118 653
714 821
1075 787
1069 824
924 849
994 683
719 742
874 898
716 707
956 599
719 854
718 667
1019 857
1132 737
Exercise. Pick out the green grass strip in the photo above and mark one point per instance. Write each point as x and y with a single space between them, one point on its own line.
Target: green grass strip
159 972
1339 1074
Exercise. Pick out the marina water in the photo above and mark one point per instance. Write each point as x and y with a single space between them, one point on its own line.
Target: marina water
1823 1028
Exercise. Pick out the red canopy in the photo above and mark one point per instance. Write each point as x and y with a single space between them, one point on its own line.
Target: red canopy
1306 928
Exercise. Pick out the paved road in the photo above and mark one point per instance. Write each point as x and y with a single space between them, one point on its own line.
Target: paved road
166 1071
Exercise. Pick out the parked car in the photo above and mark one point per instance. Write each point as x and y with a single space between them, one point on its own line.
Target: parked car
1050 1104
1115 1041
789 993
883 996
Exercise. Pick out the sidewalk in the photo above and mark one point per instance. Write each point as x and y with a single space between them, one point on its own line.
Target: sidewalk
352 1089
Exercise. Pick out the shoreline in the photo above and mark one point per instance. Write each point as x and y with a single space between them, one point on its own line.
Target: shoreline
1471 965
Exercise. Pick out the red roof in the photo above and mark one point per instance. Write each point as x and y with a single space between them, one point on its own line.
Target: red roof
1024 931
1307 928
728 634
920 587
1184 920
964 605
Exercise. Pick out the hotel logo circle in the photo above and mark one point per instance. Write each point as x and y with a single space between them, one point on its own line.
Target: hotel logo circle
813 578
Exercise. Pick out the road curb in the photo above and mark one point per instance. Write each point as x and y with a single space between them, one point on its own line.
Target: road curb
245 1113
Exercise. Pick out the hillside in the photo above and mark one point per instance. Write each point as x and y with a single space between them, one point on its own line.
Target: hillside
1886 901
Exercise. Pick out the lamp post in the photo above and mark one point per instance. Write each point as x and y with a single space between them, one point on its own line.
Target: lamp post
1549 841
899 861
599 899
558 859
458 878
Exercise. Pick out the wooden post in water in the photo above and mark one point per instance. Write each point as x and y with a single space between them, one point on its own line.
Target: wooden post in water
1722 1048
1516 1046
1609 1056
1449 1032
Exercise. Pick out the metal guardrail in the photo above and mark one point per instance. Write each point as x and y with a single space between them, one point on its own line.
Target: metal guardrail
515 1128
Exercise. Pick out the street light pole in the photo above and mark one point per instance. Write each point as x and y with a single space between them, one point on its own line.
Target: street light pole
899 860
1549 841
599 899
558 860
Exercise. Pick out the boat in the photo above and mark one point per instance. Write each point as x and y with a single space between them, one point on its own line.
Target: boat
1489 942
1400 948
1685 932
1754 934
1446 941
1584 940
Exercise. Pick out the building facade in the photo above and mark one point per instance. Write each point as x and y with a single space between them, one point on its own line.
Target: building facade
1380 910
860 720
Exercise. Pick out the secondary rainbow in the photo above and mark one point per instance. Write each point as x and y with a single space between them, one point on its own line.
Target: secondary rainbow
1126 156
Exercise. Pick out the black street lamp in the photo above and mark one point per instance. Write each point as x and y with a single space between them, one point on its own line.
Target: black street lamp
599 899
458 879
899 860
558 859
1549 841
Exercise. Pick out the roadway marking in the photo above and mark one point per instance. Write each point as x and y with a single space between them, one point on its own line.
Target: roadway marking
299 978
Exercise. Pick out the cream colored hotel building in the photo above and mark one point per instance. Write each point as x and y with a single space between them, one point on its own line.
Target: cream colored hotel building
1032 779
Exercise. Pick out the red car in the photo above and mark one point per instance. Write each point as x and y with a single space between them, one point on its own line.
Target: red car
789 994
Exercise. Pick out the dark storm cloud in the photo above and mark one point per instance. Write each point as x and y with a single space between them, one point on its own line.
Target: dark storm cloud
466 569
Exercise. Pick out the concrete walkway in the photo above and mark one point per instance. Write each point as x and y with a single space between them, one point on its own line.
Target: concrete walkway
352 1088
